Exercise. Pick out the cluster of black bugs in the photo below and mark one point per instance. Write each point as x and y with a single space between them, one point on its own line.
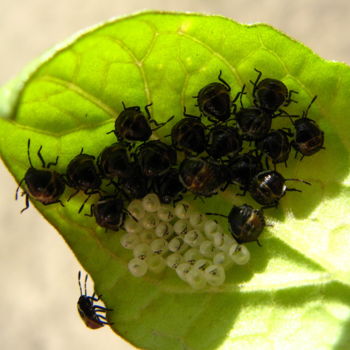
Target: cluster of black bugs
212 157
226 144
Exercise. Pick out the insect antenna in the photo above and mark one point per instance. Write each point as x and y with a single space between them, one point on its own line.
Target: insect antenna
255 83
215 214
228 87
305 182
86 277
79 276
305 113
28 153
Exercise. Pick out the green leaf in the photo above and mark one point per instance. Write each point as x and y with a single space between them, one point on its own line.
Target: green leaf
295 292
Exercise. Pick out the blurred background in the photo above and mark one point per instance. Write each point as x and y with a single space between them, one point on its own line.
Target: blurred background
38 272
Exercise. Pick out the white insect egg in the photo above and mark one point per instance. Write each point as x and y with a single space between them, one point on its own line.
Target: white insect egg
181 227
193 238
182 270
191 255
218 239
180 239
149 221
129 240
182 210
232 248
215 275
166 213
207 248
142 251
210 226
177 244
136 209
132 226
164 230
220 258
196 219
156 264
201 264
196 279
240 254
137 267
174 260
146 236
159 246
227 243
151 202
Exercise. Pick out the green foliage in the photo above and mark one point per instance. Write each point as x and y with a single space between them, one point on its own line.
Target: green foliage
295 292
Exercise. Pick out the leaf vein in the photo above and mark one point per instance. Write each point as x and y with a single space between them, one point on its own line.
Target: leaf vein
81 92
215 53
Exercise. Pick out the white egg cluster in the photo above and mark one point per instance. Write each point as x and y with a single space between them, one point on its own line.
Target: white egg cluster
179 238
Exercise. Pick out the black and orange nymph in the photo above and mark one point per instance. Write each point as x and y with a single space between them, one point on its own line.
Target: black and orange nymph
88 311
44 185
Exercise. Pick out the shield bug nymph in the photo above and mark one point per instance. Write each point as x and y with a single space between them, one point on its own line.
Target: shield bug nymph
135 186
243 168
214 100
169 187
109 212
88 311
224 141
268 187
246 223
155 158
114 161
82 175
203 177
270 94
188 135
309 138
276 146
43 185
133 125
254 122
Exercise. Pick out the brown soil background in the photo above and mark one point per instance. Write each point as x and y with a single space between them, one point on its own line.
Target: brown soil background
38 272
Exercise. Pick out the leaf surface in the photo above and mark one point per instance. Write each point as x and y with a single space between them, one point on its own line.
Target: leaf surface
295 292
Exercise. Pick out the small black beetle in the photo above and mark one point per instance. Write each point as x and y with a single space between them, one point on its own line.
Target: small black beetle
109 212
114 161
246 223
82 175
243 168
214 101
133 125
135 186
254 122
188 135
224 141
88 311
168 187
155 158
270 94
268 187
201 176
309 138
276 146
44 185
